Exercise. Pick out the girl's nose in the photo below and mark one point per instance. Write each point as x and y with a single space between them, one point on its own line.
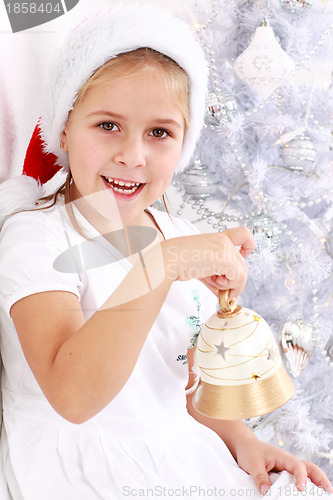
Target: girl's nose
130 153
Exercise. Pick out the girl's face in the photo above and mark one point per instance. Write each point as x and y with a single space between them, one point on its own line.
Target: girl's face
125 137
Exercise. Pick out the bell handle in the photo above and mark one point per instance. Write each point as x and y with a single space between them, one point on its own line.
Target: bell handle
227 306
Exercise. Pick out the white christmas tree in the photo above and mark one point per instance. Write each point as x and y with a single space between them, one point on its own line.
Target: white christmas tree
265 161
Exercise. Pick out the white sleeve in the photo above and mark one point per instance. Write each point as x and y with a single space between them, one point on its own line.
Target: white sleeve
29 244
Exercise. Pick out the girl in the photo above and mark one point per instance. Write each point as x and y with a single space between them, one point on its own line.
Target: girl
96 287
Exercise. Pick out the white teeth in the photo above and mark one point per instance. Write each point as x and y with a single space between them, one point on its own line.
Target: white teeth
120 186
125 191
121 183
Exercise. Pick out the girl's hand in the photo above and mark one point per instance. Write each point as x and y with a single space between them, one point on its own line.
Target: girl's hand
216 259
259 458
242 238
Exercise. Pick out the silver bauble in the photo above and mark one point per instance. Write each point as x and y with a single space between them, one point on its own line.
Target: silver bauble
299 154
199 182
220 107
329 351
297 343
296 6
329 243
266 231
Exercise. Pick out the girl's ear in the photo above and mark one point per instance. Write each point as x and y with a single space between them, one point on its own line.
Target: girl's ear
63 140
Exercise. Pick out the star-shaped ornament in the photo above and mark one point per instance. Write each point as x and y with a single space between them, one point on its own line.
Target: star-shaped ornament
255 376
256 318
221 349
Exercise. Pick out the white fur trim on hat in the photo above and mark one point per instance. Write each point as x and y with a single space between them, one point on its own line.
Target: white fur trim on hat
122 29
18 193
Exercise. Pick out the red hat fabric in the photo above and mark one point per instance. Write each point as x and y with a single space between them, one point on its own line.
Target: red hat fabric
38 164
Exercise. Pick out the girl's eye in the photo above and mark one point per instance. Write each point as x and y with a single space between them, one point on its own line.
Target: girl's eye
159 133
108 126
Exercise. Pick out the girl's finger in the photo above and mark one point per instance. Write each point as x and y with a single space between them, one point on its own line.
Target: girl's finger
210 286
301 476
242 237
222 282
318 477
294 466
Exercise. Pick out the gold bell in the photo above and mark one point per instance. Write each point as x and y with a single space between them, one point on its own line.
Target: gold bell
241 370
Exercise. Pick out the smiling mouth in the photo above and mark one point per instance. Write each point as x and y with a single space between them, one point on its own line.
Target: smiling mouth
123 187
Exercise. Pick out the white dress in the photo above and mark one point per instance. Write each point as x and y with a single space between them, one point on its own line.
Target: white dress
143 444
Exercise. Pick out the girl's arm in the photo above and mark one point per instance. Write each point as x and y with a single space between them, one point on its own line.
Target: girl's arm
81 366
256 457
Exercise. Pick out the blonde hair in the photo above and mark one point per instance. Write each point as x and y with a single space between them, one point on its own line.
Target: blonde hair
142 60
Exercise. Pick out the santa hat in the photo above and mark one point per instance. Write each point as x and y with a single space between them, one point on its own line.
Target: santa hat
124 28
